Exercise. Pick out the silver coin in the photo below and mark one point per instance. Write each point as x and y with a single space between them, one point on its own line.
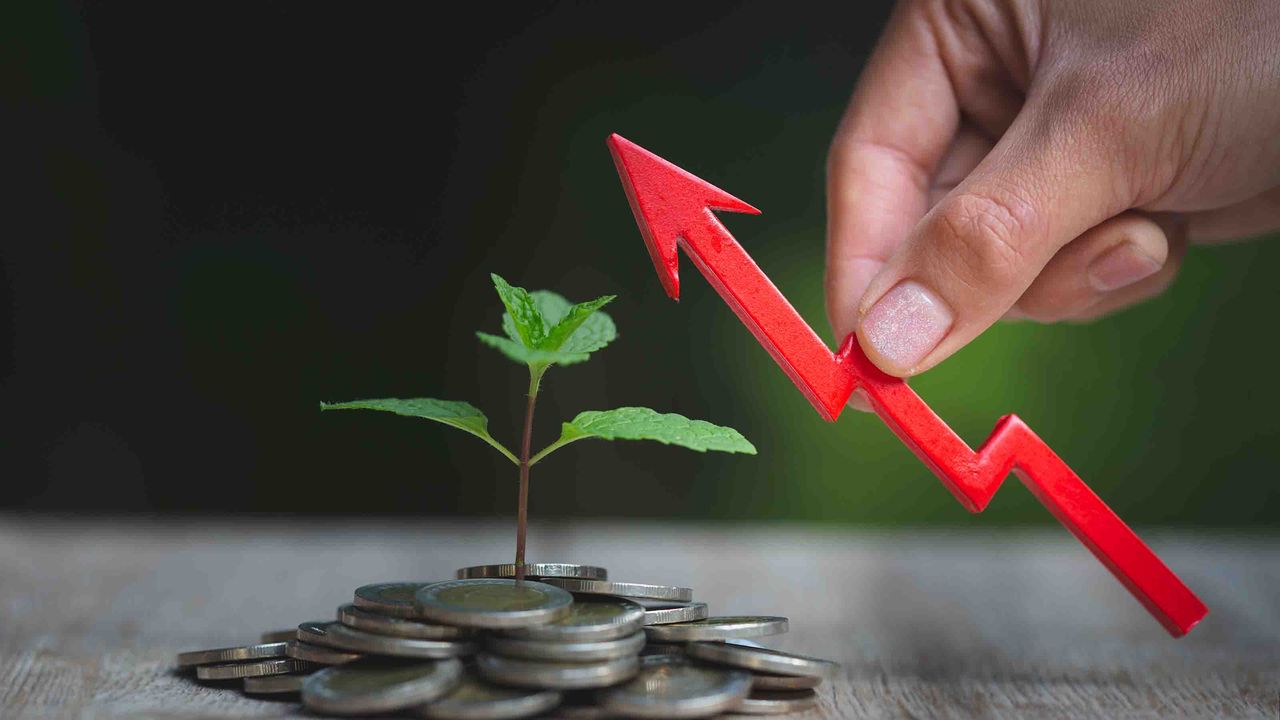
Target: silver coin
589 619
259 651
273 684
475 699
776 703
369 687
492 603
369 621
535 571
718 628
316 632
273 636
675 613
252 668
389 598
673 688
556 675
669 593
554 651
766 681
320 654
762 660
341 636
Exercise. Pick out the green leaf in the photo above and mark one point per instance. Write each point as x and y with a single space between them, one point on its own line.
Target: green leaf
529 356
593 333
568 326
530 328
637 423
461 415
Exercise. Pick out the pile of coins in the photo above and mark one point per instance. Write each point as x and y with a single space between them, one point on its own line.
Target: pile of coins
565 642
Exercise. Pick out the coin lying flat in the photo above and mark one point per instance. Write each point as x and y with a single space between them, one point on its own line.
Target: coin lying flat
670 687
589 619
316 632
669 593
369 687
350 639
273 636
535 570
492 603
762 659
556 675
475 699
273 684
767 681
776 703
718 628
369 621
389 598
675 613
252 668
320 654
259 651
567 651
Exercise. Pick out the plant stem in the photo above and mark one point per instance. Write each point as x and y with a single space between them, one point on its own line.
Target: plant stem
522 512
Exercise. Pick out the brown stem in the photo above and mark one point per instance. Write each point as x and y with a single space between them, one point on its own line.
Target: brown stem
522 512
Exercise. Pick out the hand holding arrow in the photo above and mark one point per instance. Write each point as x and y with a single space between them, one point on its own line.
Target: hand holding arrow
674 209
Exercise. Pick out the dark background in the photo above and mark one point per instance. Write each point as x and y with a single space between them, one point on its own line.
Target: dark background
217 215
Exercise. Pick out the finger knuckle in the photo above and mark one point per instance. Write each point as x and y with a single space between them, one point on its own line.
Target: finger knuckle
983 233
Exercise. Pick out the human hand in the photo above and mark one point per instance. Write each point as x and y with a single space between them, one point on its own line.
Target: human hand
1043 159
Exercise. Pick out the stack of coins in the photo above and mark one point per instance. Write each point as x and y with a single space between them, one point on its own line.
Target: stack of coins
565 642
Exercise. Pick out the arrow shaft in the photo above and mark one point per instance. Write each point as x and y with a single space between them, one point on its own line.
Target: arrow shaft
828 380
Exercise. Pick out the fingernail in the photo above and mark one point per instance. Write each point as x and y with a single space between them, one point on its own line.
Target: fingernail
1122 265
906 324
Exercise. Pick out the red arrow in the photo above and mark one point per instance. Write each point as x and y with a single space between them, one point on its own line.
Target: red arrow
674 208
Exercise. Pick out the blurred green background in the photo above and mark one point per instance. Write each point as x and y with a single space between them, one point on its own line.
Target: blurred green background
229 213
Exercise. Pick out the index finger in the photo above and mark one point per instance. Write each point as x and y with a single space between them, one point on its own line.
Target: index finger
896 129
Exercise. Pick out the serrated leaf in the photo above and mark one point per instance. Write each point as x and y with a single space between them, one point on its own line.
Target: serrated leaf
638 423
594 333
527 323
577 316
529 356
454 413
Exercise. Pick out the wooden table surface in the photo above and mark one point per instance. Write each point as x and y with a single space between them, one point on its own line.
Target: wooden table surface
928 624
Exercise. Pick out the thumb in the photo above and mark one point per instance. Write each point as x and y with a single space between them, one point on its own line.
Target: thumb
971 257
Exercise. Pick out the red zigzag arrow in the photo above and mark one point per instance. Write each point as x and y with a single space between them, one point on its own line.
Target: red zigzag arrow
674 208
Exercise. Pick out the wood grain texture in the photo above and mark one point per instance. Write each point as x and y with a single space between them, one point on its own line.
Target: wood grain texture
928 624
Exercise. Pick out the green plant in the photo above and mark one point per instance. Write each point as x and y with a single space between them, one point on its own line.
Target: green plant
543 329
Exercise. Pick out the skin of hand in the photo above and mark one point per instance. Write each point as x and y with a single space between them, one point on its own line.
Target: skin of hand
1043 159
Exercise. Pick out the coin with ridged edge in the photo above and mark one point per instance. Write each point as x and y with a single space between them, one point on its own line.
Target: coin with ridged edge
718 628
316 632
377 623
370 687
389 598
560 651
762 660
320 654
675 614
669 593
556 675
274 684
350 639
766 681
590 619
492 603
475 699
776 703
673 687
252 668
259 651
534 571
